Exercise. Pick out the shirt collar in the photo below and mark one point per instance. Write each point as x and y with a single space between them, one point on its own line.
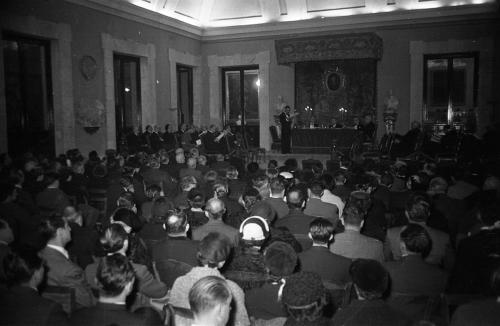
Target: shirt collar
63 251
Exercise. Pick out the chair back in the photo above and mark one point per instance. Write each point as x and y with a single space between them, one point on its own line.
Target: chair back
63 295
170 269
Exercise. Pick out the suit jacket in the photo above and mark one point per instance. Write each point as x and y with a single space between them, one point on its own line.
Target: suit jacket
352 244
296 222
331 267
104 314
264 302
219 227
441 247
178 248
279 206
317 208
63 272
413 275
145 281
23 306
369 313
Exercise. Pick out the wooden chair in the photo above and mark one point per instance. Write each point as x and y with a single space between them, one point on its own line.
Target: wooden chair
63 295
169 270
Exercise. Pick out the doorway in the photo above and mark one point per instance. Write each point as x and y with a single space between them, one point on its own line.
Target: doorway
128 111
240 93
184 94
28 95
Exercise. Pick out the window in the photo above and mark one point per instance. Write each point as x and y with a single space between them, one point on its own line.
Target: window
240 88
185 94
450 88
28 91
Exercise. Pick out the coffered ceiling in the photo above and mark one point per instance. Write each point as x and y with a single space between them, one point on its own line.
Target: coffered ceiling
220 17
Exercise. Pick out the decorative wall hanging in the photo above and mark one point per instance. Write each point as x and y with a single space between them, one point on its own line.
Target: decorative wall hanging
90 115
332 47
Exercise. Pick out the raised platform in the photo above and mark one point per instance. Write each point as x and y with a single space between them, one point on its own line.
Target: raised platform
281 158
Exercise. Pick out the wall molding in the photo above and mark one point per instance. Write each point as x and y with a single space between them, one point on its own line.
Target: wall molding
147 62
62 76
215 63
177 57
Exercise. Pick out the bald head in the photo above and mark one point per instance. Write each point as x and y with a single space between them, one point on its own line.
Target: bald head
295 198
215 208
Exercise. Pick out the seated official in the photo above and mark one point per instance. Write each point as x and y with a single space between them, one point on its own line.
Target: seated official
412 275
61 271
115 277
331 267
210 301
371 282
351 243
21 304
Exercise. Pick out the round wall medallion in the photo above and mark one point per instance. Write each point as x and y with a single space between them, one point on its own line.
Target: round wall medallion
334 80
88 67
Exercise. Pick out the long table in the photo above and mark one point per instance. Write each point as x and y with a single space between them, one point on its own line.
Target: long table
319 140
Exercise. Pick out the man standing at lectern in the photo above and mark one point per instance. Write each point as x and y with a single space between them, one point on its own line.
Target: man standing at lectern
286 128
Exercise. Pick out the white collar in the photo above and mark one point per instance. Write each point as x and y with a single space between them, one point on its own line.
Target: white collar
60 249
193 209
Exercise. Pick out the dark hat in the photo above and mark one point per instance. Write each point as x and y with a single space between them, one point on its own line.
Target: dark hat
302 289
264 210
369 275
280 259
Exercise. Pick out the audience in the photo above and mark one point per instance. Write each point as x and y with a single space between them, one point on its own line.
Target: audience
295 221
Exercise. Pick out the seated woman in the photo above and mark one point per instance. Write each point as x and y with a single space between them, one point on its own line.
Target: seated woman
213 252
116 240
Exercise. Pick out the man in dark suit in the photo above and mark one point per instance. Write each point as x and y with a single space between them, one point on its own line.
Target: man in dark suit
296 221
331 267
413 275
276 198
215 210
61 270
21 304
286 126
317 208
116 278
176 244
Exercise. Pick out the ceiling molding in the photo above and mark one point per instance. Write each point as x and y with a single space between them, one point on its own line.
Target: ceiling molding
278 29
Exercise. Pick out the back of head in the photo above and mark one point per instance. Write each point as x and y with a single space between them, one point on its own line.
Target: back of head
213 249
317 188
21 265
416 239
339 177
215 208
353 215
187 183
370 278
295 198
418 209
438 185
321 230
126 199
128 217
304 296
265 210
48 227
220 188
161 207
196 198
176 223
360 199
250 197
191 162
280 259
277 187
114 273
209 293
114 238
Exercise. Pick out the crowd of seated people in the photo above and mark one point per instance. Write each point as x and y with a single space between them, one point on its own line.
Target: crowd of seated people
260 245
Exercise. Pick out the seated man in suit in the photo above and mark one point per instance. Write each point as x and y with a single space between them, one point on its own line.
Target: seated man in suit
215 210
413 275
317 208
276 197
116 277
371 282
176 245
296 221
61 270
417 211
21 304
351 243
210 301
331 267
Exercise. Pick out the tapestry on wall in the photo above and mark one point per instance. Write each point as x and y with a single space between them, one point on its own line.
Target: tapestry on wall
334 89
